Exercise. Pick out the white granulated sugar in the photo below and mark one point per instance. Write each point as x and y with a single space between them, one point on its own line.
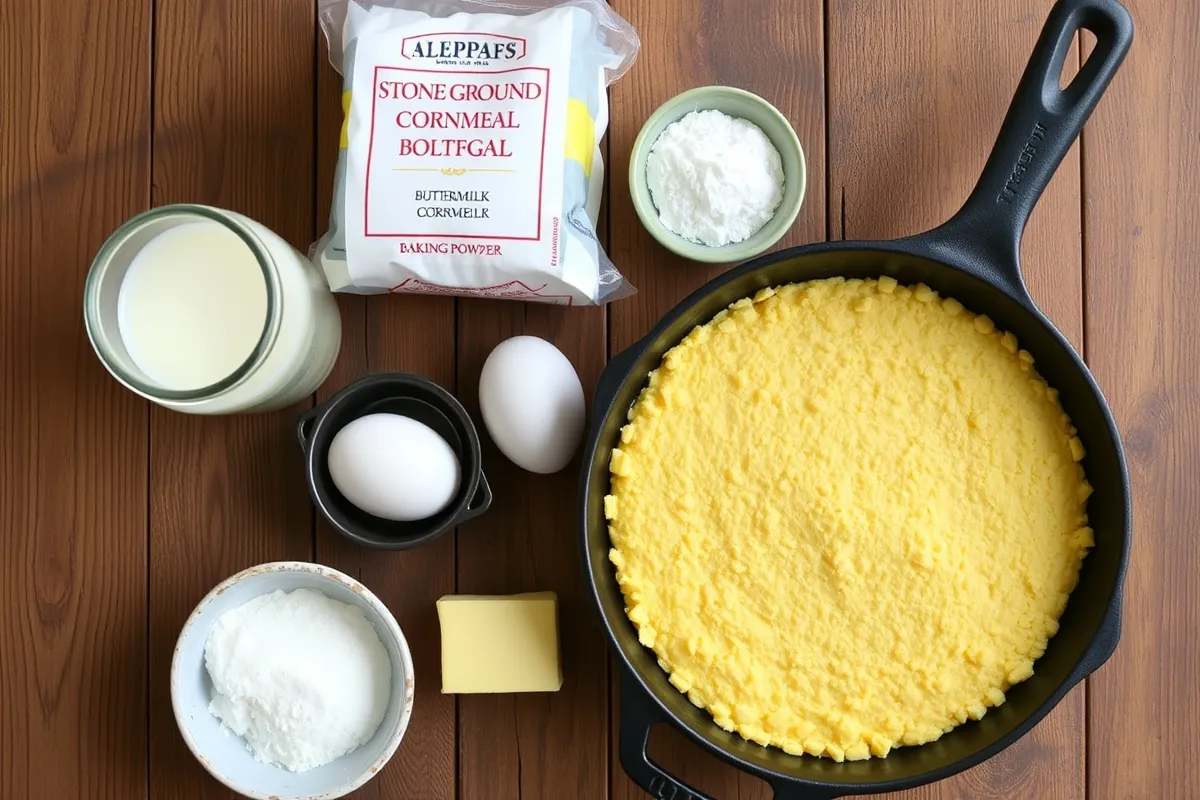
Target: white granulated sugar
304 678
714 179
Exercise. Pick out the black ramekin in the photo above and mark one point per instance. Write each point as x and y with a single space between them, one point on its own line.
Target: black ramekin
410 396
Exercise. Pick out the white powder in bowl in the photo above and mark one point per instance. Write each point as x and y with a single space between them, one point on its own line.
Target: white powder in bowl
304 678
714 179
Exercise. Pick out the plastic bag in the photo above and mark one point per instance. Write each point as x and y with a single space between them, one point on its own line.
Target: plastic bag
469 159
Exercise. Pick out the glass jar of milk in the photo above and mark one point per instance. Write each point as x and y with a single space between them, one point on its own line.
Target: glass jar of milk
208 312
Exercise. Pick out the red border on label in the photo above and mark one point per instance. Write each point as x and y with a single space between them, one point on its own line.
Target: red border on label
404 42
371 148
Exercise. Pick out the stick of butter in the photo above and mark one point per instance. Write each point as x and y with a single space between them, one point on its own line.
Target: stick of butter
500 643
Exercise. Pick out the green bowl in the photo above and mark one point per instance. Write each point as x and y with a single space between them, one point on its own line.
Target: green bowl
735 103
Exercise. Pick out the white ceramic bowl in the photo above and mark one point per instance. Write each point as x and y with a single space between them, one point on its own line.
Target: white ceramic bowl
225 755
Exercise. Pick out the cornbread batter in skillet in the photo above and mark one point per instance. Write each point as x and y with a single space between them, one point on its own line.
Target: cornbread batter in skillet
846 516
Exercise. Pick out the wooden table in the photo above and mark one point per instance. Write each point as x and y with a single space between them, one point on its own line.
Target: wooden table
117 516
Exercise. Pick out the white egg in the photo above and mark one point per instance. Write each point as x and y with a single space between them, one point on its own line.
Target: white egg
394 467
532 403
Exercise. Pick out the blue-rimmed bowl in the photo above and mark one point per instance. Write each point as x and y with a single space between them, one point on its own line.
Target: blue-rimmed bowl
226 756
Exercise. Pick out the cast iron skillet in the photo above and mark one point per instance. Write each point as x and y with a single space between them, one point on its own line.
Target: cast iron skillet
974 258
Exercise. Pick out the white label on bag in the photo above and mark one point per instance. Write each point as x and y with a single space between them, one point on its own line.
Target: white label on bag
486 155
455 169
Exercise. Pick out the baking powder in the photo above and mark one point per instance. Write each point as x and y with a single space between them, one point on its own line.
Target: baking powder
714 179
302 677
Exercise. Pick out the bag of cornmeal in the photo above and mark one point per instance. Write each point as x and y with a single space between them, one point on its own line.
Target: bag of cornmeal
469 159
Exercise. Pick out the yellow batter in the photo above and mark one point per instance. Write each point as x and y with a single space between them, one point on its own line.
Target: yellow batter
846 516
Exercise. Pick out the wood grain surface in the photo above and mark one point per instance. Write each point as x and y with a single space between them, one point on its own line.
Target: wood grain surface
1141 226
118 516
532 745
233 127
74 163
395 334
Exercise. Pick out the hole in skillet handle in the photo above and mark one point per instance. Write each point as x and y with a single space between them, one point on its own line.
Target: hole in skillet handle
1043 121
410 396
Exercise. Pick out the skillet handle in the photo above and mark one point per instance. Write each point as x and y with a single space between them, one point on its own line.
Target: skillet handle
638 715
1041 124
1104 643
612 377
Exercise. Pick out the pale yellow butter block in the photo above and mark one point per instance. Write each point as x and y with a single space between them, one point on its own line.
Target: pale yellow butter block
500 643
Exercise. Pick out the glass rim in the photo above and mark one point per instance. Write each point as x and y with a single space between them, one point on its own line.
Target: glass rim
99 269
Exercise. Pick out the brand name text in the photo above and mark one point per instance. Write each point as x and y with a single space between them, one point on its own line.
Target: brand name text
1028 152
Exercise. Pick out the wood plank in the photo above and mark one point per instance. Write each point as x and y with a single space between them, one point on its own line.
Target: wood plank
1141 168
532 745
551 745
916 95
777 52
405 334
233 127
74 163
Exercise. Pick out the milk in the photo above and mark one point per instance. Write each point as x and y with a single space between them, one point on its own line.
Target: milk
206 311
192 306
